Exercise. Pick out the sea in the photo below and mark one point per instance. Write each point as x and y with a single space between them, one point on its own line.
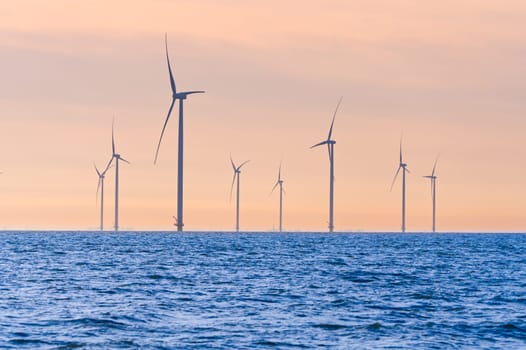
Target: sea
165 290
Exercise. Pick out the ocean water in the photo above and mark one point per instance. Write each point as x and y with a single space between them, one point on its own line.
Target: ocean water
66 290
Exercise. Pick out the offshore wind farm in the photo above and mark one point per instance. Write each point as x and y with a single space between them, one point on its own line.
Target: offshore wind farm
199 238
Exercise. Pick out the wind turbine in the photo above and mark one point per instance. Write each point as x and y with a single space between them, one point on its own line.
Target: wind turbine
181 96
237 172
433 179
100 186
403 166
280 184
330 145
117 158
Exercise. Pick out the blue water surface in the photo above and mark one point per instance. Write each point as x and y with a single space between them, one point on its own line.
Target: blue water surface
66 290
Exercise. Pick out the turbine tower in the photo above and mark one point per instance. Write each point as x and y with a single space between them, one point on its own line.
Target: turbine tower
100 186
433 179
280 184
117 158
237 172
330 145
181 96
403 166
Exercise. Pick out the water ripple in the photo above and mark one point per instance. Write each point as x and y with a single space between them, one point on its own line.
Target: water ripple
68 290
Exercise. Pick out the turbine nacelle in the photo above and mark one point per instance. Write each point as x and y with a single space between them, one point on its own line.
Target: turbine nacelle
278 183
118 157
183 95
101 175
432 176
326 142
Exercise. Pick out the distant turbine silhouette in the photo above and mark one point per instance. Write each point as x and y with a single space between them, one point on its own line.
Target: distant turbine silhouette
181 96
100 186
280 184
330 144
433 179
117 158
237 172
403 166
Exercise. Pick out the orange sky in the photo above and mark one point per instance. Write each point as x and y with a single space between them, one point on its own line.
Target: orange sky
449 75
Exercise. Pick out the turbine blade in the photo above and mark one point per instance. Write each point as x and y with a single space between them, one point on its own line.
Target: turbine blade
98 188
273 188
279 172
407 170
333 117
124 160
245 162
401 150
162 131
434 166
109 163
194 92
319 144
172 82
107 168
112 136
232 187
394 179
97 170
233 165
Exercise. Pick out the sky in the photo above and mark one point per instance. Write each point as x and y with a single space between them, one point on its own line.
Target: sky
447 75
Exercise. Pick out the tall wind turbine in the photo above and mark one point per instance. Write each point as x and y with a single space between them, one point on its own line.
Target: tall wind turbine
280 184
100 186
433 179
403 166
330 145
181 96
237 172
117 158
